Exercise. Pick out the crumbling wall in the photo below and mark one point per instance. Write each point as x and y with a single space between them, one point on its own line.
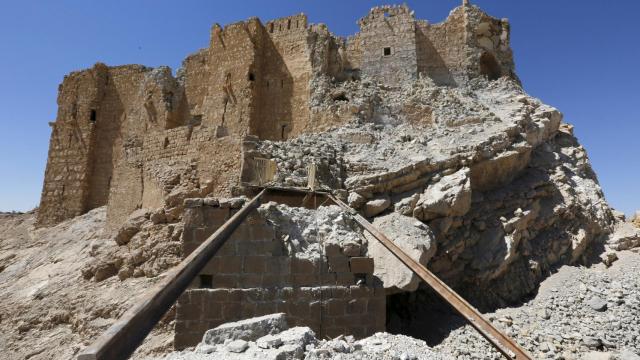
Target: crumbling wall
468 43
388 43
261 270
271 81
489 39
284 86
66 185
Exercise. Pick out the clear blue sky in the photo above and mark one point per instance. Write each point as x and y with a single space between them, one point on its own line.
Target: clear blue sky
581 56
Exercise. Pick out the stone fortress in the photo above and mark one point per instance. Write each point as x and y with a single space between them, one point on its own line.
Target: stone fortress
422 127
116 126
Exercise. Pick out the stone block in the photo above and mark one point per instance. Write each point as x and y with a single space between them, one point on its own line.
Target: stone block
336 307
345 279
302 266
376 307
200 235
305 280
332 249
266 307
230 264
298 309
275 280
361 265
247 281
213 266
338 264
231 311
212 311
247 330
278 265
225 280
248 309
254 264
356 306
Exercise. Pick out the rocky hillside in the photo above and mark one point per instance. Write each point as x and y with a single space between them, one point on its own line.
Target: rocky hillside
47 309
497 176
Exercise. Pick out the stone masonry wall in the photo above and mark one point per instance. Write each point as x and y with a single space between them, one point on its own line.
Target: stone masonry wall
253 274
388 43
116 124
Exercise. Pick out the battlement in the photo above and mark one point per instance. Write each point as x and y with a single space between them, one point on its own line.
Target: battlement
288 24
386 13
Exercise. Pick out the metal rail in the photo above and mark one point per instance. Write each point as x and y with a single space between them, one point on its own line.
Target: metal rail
500 341
123 337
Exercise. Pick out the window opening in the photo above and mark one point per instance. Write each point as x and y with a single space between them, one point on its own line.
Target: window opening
206 281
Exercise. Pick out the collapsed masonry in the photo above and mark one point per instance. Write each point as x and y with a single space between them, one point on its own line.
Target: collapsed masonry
422 127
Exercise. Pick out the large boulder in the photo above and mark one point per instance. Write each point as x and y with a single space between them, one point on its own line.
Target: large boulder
412 236
375 207
247 330
451 196
625 236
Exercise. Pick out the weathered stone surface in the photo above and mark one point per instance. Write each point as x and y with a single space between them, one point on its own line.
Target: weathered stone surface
131 226
356 200
636 219
375 207
625 236
429 120
237 346
451 196
247 330
415 238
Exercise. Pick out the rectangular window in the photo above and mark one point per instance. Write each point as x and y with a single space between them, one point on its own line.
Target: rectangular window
386 51
206 281
93 116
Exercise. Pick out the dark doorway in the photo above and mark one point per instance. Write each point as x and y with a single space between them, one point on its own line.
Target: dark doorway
489 67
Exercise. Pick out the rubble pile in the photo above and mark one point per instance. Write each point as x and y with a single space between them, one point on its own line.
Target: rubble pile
269 337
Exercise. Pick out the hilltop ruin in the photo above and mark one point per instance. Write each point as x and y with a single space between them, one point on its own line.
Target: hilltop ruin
422 128
116 126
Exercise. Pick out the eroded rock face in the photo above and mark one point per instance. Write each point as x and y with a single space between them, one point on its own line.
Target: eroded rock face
451 196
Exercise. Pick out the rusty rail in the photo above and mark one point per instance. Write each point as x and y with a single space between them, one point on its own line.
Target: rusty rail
123 337
504 344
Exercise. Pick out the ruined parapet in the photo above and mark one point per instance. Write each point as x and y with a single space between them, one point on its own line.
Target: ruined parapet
488 39
469 43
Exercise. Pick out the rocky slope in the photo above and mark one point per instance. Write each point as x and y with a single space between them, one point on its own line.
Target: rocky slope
577 311
47 309
495 174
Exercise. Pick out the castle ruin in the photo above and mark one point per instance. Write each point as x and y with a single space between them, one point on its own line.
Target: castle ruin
116 126
422 128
